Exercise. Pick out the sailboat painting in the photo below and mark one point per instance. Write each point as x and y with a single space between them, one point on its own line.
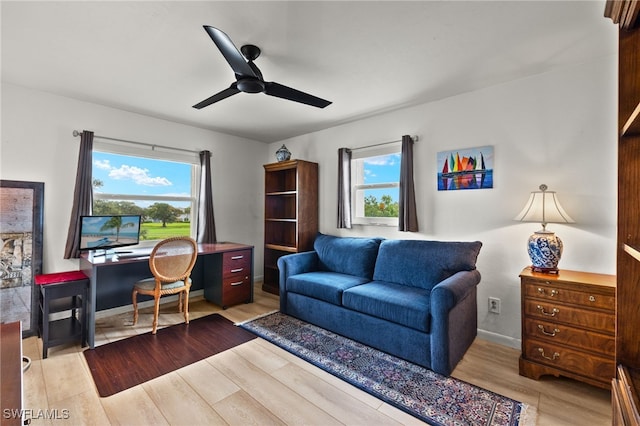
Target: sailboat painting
470 168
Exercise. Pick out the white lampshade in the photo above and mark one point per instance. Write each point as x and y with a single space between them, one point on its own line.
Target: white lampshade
543 207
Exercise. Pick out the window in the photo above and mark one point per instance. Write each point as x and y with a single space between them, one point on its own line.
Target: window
160 189
375 184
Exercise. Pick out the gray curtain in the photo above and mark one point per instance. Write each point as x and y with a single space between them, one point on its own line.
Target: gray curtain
82 195
206 232
407 215
344 188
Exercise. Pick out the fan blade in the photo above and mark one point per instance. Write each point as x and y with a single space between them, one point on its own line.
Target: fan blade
231 90
281 91
230 52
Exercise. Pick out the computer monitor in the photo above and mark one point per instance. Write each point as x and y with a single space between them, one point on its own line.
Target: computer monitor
109 231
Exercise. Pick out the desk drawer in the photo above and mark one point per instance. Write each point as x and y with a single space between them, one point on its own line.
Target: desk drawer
236 290
571 360
548 291
555 312
236 263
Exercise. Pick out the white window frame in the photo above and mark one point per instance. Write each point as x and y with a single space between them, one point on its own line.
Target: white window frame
358 185
154 154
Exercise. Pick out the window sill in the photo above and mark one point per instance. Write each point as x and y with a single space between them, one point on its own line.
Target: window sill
388 225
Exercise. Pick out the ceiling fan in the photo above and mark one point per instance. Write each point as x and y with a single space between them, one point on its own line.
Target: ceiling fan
248 77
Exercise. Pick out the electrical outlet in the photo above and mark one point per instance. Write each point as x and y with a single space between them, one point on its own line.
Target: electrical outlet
494 305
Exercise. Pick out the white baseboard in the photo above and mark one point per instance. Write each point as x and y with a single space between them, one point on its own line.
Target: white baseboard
193 295
500 339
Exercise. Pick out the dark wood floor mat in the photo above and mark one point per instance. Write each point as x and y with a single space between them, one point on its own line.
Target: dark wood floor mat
129 362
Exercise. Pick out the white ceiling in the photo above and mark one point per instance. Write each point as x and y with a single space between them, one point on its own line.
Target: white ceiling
155 58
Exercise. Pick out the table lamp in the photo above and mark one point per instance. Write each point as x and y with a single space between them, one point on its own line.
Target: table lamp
544 247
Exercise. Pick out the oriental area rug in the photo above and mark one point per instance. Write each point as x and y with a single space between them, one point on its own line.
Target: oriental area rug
129 362
429 396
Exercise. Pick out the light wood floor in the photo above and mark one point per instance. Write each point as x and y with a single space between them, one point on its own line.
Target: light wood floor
259 383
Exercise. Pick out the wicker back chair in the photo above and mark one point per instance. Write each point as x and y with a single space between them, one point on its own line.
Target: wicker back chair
171 262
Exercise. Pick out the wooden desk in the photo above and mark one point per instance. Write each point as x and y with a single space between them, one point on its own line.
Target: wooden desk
223 270
11 373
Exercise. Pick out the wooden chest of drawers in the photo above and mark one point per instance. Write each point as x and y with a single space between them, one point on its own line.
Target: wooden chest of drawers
568 326
236 270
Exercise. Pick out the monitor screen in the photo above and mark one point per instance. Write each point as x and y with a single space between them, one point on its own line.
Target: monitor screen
108 232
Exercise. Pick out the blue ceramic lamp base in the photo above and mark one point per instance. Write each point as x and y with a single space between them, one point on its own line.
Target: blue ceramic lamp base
545 250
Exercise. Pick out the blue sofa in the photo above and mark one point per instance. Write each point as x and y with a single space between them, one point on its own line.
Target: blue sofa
414 299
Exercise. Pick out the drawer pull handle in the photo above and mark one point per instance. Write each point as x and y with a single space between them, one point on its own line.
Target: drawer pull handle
592 299
546 333
237 257
542 291
237 283
553 358
237 270
553 312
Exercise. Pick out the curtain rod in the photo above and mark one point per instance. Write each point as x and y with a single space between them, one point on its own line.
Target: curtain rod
415 139
153 146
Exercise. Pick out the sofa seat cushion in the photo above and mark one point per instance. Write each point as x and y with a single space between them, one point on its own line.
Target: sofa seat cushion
347 255
327 286
397 303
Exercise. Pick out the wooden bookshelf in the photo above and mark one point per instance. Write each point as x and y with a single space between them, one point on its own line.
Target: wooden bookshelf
626 13
290 214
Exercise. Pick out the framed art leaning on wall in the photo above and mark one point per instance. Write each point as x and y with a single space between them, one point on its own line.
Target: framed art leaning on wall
21 223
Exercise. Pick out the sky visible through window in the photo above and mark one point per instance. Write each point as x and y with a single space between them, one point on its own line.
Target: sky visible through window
382 169
123 174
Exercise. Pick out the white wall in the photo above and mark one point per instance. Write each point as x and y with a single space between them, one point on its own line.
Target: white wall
38 145
556 128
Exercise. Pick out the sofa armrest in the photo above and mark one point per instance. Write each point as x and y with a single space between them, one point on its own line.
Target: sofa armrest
449 292
293 264
454 319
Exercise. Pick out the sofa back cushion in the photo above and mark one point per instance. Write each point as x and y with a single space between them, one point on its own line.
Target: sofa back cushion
424 264
347 255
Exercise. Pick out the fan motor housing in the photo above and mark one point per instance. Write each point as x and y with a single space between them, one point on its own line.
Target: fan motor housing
250 85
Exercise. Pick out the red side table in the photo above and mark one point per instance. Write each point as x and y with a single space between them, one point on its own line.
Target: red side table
63 292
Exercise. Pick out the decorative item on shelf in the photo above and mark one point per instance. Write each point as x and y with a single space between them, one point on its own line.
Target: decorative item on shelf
544 247
283 154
